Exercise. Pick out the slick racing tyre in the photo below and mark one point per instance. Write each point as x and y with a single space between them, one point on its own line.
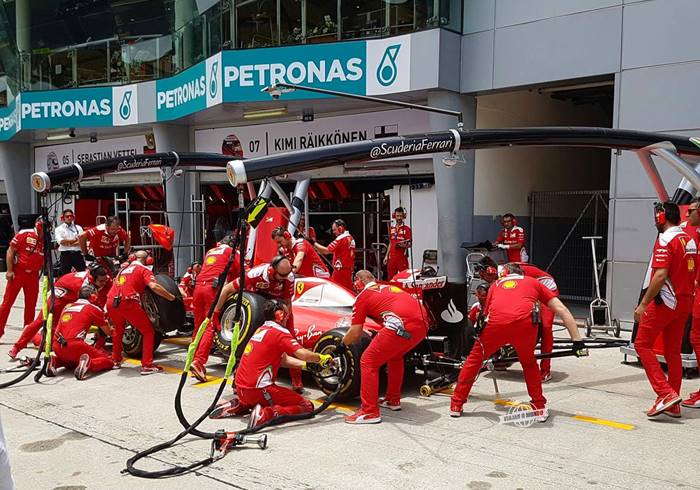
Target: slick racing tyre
350 379
251 319
165 315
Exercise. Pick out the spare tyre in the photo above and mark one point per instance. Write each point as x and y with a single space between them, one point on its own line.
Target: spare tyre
350 379
165 315
251 318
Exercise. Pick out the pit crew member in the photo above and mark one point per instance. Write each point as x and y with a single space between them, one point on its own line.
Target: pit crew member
103 240
188 280
403 326
665 308
343 250
24 259
400 236
71 350
124 306
305 260
476 309
693 400
488 272
66 290
511 318
273 281
271 346
512 239
66 235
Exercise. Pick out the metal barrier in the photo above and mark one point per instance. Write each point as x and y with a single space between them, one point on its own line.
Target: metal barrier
558 220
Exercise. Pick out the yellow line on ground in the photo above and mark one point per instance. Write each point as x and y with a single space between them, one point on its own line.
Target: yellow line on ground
607 423
167 369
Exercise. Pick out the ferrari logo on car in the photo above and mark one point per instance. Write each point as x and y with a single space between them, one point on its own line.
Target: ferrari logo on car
300 288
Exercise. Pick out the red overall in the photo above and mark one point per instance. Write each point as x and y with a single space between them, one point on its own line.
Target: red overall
29 259
509 321
75 322
129 284
101 243
312 265
257 372
395 310
66 290
343 249
514 236
546 315
398 256
675 251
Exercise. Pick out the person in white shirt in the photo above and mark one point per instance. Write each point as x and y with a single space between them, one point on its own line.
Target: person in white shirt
68 246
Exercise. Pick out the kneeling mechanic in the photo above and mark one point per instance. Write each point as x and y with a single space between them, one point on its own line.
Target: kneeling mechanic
272 346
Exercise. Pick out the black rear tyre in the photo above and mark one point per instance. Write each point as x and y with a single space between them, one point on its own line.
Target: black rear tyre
251 319
166 316
351 377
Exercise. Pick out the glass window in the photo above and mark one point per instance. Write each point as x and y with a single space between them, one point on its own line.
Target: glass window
321 22
257 23
291 31
93 64
363 18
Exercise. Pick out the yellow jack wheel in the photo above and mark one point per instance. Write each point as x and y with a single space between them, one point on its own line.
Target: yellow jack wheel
425 390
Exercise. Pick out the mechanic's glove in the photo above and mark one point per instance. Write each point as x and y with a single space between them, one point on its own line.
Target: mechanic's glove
579 348
340 349
89 257
325 361
502 246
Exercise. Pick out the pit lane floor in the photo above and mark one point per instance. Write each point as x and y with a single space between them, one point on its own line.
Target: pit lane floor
66 434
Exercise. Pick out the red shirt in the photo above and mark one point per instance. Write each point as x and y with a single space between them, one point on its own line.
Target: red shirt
675 251
398 234
343 249
514 236
131 282
101 243
262 356
29 256
511 299
67 288
542 276
186 283
215 262
261 280
312 265
387 304
78 317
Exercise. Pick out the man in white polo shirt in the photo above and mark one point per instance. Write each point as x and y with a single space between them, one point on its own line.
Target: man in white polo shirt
68 246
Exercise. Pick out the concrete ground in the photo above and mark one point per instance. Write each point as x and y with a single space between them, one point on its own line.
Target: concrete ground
67 434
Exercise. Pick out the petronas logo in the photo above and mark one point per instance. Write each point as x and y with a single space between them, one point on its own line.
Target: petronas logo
387 70
125 107
212 80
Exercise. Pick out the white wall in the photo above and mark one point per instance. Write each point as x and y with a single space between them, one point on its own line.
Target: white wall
423 219
505 177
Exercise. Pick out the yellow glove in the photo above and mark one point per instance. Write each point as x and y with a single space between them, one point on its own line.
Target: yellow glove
325 361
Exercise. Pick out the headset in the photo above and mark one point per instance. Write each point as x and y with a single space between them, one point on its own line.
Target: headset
281 231
340 225
281 312
357 284
659 214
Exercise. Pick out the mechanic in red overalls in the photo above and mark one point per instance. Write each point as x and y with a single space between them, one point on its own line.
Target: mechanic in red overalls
665 308
403 321
512 239
274 281
66 290
104 239
489 274
400 236
272 346
343 250
305 260
69 346
25 258
188 280
693 400
482 290
511 318
124 306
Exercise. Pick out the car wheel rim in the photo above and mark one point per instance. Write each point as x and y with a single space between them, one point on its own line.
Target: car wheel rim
227 322
149 306
130 336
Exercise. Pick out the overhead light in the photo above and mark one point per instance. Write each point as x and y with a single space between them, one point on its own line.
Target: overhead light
262 113
62 135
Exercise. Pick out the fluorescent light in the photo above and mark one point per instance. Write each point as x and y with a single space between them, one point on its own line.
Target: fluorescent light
62 135
259 114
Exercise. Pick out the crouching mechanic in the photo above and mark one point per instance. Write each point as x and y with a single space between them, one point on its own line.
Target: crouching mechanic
272 346
512 310
69 346
403 321
273 281
124 306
